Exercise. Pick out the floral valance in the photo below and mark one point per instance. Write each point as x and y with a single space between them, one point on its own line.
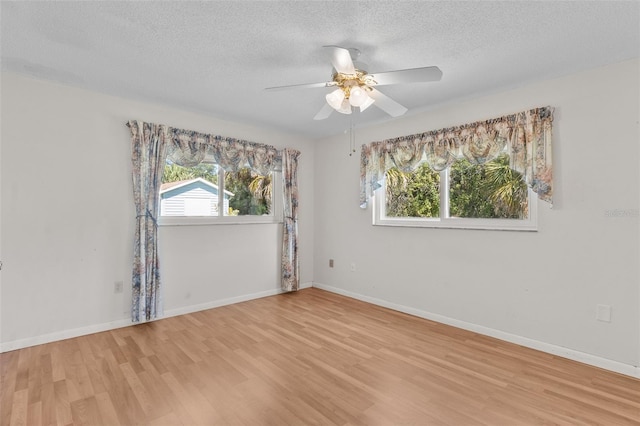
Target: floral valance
525 137
189 148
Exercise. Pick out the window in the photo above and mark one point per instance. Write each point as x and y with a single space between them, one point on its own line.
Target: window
204 194
465 195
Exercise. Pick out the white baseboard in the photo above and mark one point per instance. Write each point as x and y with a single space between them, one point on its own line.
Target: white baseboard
223 302
112 325
62 335
585 358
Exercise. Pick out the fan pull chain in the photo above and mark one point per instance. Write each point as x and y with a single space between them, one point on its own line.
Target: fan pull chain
352 138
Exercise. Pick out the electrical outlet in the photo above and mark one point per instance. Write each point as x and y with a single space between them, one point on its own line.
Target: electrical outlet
330 263
603 313
118 287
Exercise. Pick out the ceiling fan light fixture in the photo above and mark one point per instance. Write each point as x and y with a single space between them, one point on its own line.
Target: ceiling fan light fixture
356 88
336 99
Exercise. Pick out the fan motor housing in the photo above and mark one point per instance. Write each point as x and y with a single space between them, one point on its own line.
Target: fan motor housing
347 81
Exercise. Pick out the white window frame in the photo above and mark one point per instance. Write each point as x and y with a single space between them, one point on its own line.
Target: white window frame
444 221
273 218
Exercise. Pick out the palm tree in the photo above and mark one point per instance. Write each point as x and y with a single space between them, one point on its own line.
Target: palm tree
396 180
506 188
252 192
396 183
261 187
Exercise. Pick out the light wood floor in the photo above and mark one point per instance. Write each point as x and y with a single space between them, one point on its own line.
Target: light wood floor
310 357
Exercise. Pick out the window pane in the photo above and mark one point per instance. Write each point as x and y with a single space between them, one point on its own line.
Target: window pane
415 194
249 193
189 191
492 190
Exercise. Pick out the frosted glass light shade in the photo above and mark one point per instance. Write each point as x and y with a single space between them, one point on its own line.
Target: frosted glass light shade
345 108
358 96
335 99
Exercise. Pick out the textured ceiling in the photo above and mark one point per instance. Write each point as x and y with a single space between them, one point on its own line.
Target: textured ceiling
217 57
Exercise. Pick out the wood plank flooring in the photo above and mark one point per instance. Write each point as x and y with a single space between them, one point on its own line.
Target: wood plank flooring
307 358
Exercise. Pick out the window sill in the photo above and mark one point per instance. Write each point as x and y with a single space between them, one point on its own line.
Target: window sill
206 221
529 225
455 223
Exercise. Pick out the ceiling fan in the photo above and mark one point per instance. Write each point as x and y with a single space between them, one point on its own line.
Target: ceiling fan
356 88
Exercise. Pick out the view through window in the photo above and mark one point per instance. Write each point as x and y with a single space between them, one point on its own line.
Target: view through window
463 191
206 191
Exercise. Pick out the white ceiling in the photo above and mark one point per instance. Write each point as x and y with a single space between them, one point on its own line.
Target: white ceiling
217 57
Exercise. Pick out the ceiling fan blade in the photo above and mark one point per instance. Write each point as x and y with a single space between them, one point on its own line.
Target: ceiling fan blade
341 60
412 75
325 112
303 86
387 104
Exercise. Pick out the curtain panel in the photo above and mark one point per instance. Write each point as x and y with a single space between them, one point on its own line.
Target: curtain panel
525 137
148 152
151 145
290 263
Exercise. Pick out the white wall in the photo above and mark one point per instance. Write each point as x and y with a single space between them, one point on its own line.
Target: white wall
67 217
67 222
541 287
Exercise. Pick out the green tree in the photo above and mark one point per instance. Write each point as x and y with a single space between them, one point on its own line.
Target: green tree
252 192
491 190
415 194
261 187
468 192
175 173
507 188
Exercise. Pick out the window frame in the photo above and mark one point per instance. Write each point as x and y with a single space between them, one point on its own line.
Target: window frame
444 221
274 218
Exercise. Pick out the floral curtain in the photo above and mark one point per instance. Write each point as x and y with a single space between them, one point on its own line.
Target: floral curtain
525 136
148 157
186 148
151 145
262 158
290 264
